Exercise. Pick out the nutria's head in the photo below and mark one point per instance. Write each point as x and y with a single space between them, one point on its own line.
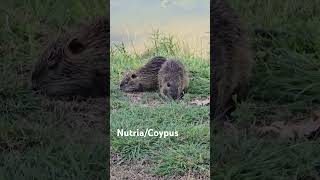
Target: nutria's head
131 82
75 63
145 78
172 80
171 89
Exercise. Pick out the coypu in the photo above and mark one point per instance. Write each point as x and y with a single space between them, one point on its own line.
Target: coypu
232 56
76 63
173 79
143 79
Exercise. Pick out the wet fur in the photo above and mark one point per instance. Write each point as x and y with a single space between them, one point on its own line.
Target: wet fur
173 79
75 64
233 58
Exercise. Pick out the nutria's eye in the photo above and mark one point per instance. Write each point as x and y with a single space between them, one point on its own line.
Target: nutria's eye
75 46
168 84
133 76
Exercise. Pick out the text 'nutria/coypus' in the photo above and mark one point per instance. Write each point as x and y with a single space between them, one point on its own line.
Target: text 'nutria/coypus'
75 63
233 59
145 78
173 79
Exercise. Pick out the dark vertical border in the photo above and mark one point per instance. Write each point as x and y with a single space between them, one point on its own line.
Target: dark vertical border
108 92
212 89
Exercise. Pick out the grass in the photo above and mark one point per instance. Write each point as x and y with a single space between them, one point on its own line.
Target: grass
285 86
36 141
171 156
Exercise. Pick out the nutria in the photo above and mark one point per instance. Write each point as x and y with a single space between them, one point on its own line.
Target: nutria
143 79
75 63
173 79
232 56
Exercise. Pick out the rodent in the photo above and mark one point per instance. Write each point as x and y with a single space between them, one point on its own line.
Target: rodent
75 63
233 59
145 78
173 79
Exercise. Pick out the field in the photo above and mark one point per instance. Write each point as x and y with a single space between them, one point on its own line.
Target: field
42 138
152 157
285 87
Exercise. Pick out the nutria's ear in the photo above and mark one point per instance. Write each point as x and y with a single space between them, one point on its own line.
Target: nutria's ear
76 46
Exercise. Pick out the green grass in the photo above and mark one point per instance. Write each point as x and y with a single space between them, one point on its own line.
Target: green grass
36 141
285 86
169 156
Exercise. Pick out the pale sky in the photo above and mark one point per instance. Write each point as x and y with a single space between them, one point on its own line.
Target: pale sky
134 20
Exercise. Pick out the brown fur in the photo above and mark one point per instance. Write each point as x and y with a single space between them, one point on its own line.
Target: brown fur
75 63
173 79
232 55
143 79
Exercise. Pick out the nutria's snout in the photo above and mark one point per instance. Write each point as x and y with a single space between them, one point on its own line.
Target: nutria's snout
171 94
177 97
174 96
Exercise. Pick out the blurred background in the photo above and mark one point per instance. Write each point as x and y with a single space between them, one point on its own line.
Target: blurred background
187 20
